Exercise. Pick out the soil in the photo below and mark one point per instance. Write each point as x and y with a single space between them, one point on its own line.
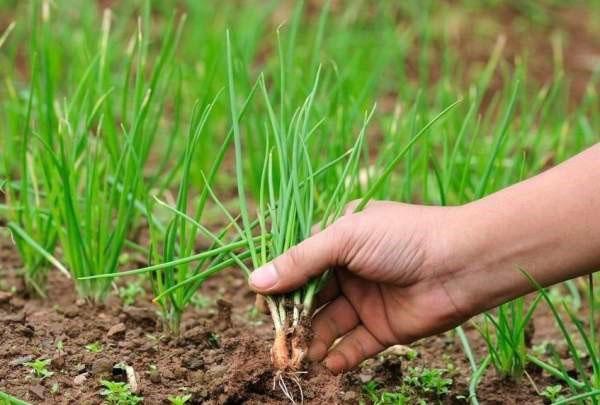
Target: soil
221 357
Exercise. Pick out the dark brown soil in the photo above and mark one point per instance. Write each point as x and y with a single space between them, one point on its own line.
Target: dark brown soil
222 356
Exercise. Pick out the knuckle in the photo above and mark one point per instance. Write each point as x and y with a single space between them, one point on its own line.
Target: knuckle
357 349
293 262
345 234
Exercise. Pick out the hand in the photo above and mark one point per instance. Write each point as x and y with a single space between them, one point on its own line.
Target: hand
402 272
387 285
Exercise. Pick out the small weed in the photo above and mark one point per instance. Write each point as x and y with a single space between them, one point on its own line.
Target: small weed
411 354
119 393
179 399
130 292
214 340
429 380
60 347
552 393
381 397
39 368
54 389
200 301
95 347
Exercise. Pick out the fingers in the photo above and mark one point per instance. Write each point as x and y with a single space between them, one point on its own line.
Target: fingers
355 347
335 320
302 262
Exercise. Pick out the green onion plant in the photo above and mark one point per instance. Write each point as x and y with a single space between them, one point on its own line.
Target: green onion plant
293 199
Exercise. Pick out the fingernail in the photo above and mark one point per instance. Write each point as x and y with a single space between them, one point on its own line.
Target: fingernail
335 362
264 277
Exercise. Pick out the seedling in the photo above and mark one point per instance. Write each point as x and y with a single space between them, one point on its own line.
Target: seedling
179 399
119 393
378 396
130 292
586 360
507 341
292 199
31 223
60 347
200 301
175 280
552 393
39 368
429 380
95 347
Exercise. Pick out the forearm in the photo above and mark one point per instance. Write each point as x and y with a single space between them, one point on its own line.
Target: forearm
548 226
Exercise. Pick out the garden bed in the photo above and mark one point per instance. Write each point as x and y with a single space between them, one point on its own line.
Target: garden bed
221 356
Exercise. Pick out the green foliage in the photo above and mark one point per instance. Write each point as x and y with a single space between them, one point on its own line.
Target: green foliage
505 335
382 397
179 399
130 292
95 347
6 399
200 301
428 380
582 344
39 368
118 393
116 122
552 393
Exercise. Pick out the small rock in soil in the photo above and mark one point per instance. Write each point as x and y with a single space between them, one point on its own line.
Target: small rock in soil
223 320
193 362
20 360
132 379
179 372
5 296
365 377
168 374
117 331
154 376
140 314
102 366
197 336
58 362
14 318
25 330
73 333
350 397
70 311
17 302
80 379
81 368
37 390
217 371
148 347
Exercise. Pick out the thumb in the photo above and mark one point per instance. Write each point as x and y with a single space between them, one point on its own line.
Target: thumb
300 263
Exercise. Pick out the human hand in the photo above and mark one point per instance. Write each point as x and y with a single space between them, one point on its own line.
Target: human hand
388 283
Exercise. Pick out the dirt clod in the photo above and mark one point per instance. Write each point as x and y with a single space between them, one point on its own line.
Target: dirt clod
117 331
80 379
38 391
5 297
102 365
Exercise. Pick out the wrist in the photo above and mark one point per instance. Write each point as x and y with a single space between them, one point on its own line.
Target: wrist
480 266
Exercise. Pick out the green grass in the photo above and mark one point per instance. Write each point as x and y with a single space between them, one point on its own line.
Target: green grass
505 335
